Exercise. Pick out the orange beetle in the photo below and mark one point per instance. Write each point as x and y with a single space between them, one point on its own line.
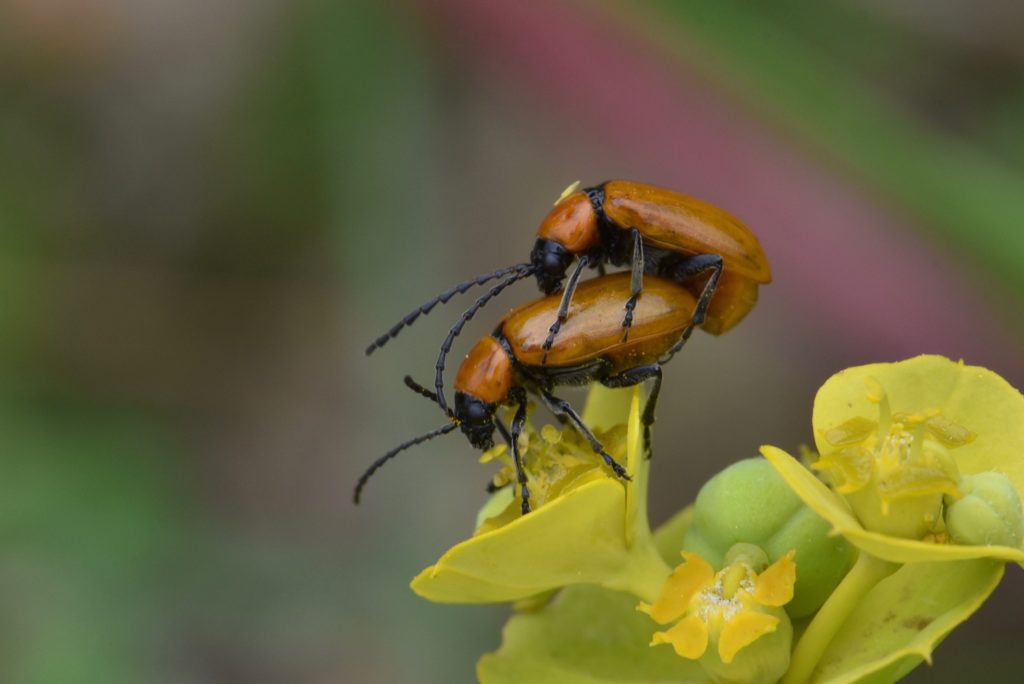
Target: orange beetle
502 367
654 231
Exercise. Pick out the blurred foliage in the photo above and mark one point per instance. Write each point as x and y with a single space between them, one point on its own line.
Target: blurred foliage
88 528
930 124
150 308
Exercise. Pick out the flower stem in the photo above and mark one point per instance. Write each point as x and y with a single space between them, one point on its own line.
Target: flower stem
643 574
865 574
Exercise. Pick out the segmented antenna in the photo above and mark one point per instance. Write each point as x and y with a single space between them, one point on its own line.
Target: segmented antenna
375 466
442 298
524 271
423 391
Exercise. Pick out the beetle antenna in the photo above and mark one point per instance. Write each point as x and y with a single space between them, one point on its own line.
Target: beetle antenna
420 389
375 466
424 392
524 271
442 298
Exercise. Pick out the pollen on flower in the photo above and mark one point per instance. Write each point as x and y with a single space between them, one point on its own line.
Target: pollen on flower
897 457
555 461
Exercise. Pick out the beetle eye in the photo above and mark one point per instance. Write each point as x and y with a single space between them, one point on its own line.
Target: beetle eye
550 261
472 412
477 413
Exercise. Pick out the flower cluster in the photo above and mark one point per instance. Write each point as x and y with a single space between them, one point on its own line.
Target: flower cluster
853 563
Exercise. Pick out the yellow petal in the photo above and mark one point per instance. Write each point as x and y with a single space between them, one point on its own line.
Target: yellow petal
743 630
685 582
689 637
774 586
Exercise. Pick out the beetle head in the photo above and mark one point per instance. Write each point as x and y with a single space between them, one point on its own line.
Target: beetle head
550 261
476 419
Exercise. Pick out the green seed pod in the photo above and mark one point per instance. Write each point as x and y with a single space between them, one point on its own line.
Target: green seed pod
762 662
988 514
749 502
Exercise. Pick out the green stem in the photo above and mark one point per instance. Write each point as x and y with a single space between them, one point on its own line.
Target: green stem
643 574
638 528
866 573
644 571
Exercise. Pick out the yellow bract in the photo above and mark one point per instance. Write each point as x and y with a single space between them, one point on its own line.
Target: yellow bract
587 526
897 440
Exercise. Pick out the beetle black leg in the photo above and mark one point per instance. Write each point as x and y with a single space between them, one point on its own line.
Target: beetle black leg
679 345
685 270
634 376
694 266
503 431
517 427
561 406
563 307
636 282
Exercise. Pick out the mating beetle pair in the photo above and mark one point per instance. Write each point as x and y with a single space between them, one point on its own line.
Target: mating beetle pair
703 269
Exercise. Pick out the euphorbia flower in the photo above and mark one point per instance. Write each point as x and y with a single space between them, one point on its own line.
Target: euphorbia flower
925 459
556 461
588 527
729 611
588 634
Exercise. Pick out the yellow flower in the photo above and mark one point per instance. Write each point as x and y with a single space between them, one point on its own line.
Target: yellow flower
587 526
894 471
555 461
902 445
731 610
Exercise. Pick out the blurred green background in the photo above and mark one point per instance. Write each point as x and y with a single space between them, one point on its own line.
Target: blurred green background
207 210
